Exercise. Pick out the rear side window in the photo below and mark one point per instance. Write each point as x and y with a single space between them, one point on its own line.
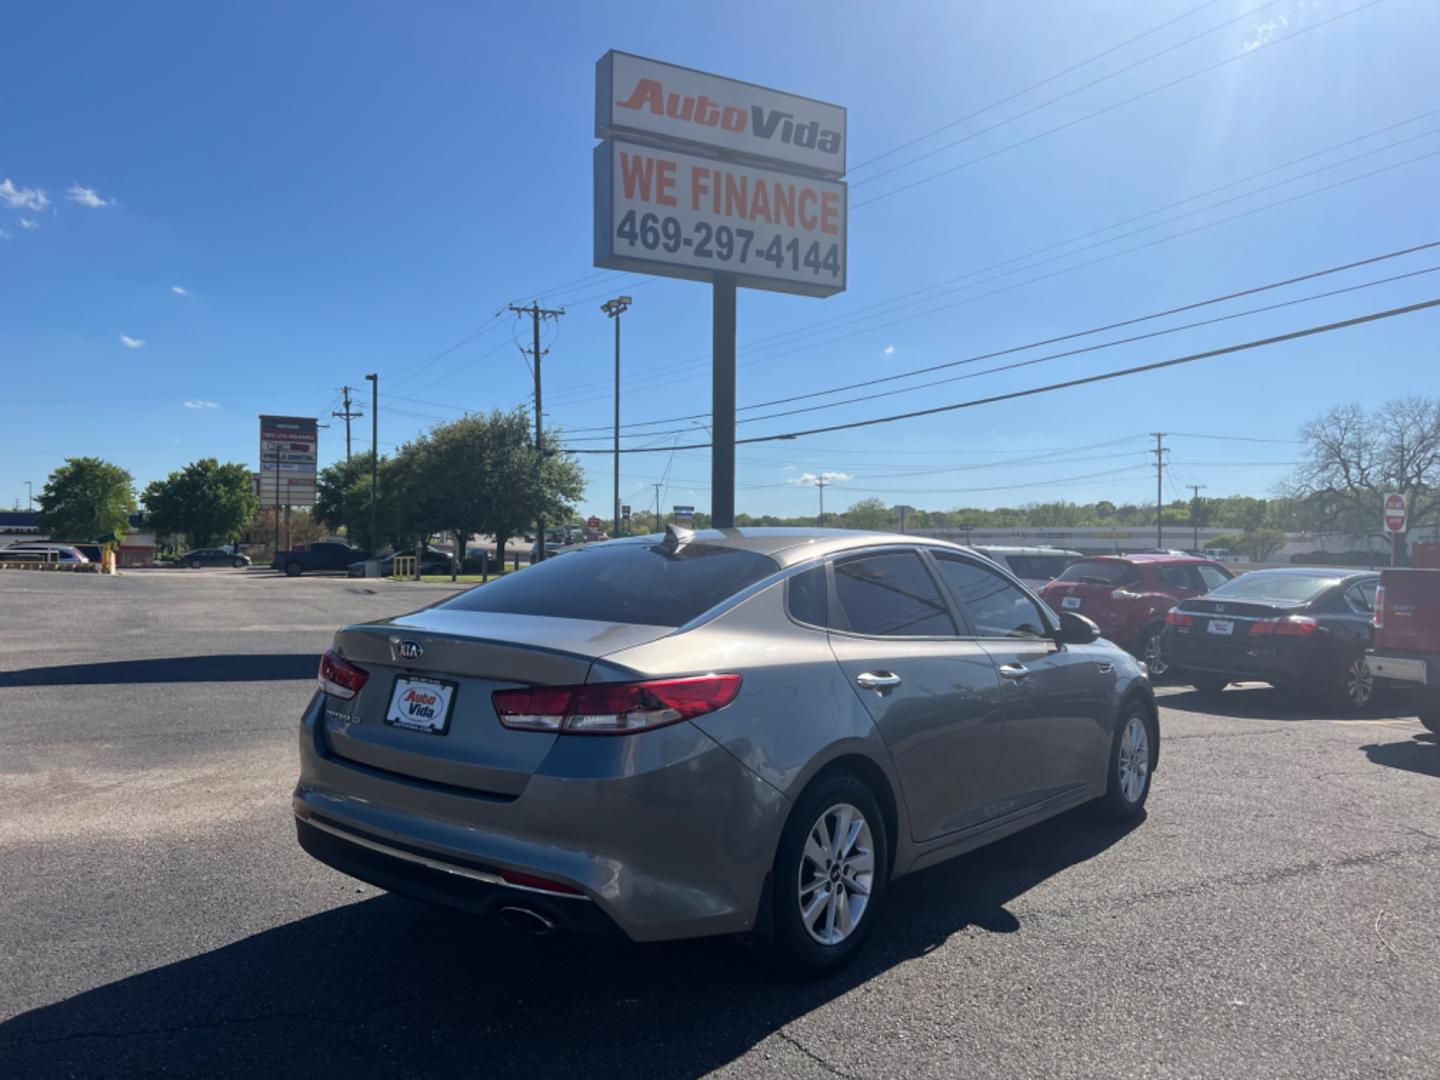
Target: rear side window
807 597
647 584
1095 572
996 607
1362 596
1177 577
891 595
1212 576
1037 567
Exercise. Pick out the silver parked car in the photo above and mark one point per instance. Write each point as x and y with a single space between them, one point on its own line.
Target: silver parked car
748 731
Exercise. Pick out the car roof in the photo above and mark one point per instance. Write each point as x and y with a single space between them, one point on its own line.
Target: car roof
1314 571
1148 557
1003 549
789 546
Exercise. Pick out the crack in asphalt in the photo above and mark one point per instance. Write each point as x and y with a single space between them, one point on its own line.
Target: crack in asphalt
1227 734
1240 880
812 1055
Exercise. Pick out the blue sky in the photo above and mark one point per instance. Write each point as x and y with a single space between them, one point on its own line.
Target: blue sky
344 188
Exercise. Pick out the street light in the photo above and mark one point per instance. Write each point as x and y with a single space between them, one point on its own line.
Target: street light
374 381
614 309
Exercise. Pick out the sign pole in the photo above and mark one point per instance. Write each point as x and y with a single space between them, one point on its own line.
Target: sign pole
722 404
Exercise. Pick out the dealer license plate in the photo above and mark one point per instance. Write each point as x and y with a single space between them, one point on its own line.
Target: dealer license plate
1070 603
421 704
1223 627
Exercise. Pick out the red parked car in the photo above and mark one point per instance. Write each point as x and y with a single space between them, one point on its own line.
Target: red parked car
1129 596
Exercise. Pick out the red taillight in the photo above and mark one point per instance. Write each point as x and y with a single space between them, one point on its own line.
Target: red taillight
614 708
1179 619
530 881
340 678
1379 617
1291 626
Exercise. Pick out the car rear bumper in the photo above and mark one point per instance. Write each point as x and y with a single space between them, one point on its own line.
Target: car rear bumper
1411 669
665 833
1263 662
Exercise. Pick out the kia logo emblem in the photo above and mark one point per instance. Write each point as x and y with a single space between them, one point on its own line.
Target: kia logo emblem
411 650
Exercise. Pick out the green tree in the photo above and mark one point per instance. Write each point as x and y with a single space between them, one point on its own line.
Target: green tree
85 499
870 513
334 501
209 503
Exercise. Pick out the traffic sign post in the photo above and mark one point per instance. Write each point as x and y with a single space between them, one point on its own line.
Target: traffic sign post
1396 514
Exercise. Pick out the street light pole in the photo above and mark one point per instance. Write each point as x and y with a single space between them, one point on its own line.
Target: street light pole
374 458
614 309
29 495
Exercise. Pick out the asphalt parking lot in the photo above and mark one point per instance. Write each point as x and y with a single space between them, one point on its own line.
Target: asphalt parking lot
1275 915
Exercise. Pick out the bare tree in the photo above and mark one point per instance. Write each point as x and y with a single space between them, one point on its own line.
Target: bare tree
1353 458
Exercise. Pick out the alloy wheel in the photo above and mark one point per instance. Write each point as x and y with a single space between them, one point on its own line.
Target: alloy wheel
1359 683
1134 764
837 870
1153 653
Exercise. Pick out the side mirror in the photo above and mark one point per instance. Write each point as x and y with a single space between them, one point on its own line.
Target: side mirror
1076 629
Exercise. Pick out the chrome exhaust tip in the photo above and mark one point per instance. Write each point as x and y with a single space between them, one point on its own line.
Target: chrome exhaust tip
526 921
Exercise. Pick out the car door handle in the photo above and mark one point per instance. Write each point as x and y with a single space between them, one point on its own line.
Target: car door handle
1014 671
1105 669
878 680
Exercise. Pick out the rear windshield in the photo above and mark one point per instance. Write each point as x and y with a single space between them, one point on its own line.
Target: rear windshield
1275 588
627 583
1095 572
1037 567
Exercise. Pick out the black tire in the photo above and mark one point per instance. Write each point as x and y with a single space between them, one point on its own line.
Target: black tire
792 948
1429 709
293 569
1352 688
1149 647
1208 685
194 564
1120 801
239 564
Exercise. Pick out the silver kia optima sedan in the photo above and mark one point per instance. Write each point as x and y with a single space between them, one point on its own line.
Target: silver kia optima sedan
747 731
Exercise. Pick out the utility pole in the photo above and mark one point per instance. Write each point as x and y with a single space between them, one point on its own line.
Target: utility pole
657 507
1194 517
1159 453
537 313
821 482
615 308
374 381
347 416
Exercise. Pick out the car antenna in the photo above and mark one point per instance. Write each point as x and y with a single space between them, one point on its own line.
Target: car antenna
677 536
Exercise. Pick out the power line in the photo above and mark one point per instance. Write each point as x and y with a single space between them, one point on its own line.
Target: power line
1157 365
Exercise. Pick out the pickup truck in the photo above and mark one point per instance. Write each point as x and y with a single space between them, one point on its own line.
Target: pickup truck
1407 637
317 558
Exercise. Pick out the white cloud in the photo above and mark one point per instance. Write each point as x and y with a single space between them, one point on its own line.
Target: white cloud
29 224
810 479
22 198
202 405
130 342
889 350
86 196
1265 32
179 290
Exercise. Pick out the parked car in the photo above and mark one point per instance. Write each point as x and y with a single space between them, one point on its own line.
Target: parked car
1299 628
1406 647
1035 566
433 561
1128 596
799 716
213 557
36 551
325 557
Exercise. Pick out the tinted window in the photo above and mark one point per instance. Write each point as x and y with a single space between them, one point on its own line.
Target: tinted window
996 607
891 595
1362 596
1283 588
1177 577
807 597
1212 576
629 583
1095 572
1037 567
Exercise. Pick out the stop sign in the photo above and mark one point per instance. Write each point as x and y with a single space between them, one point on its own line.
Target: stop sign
1395 513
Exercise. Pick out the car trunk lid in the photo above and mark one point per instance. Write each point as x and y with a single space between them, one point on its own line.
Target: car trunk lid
446 664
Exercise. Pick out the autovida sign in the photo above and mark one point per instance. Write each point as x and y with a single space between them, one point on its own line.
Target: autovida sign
287 460
698 176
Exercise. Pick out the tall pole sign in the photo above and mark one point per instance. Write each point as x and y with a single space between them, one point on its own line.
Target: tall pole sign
712 179
1397 513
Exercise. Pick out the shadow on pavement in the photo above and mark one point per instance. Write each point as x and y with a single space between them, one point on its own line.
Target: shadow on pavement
236 667
390 986
1253 701
1420 755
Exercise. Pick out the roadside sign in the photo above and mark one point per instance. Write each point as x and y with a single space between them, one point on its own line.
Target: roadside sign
661 211
625 512
288 454
592 523
1396 512
684 513
650 99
